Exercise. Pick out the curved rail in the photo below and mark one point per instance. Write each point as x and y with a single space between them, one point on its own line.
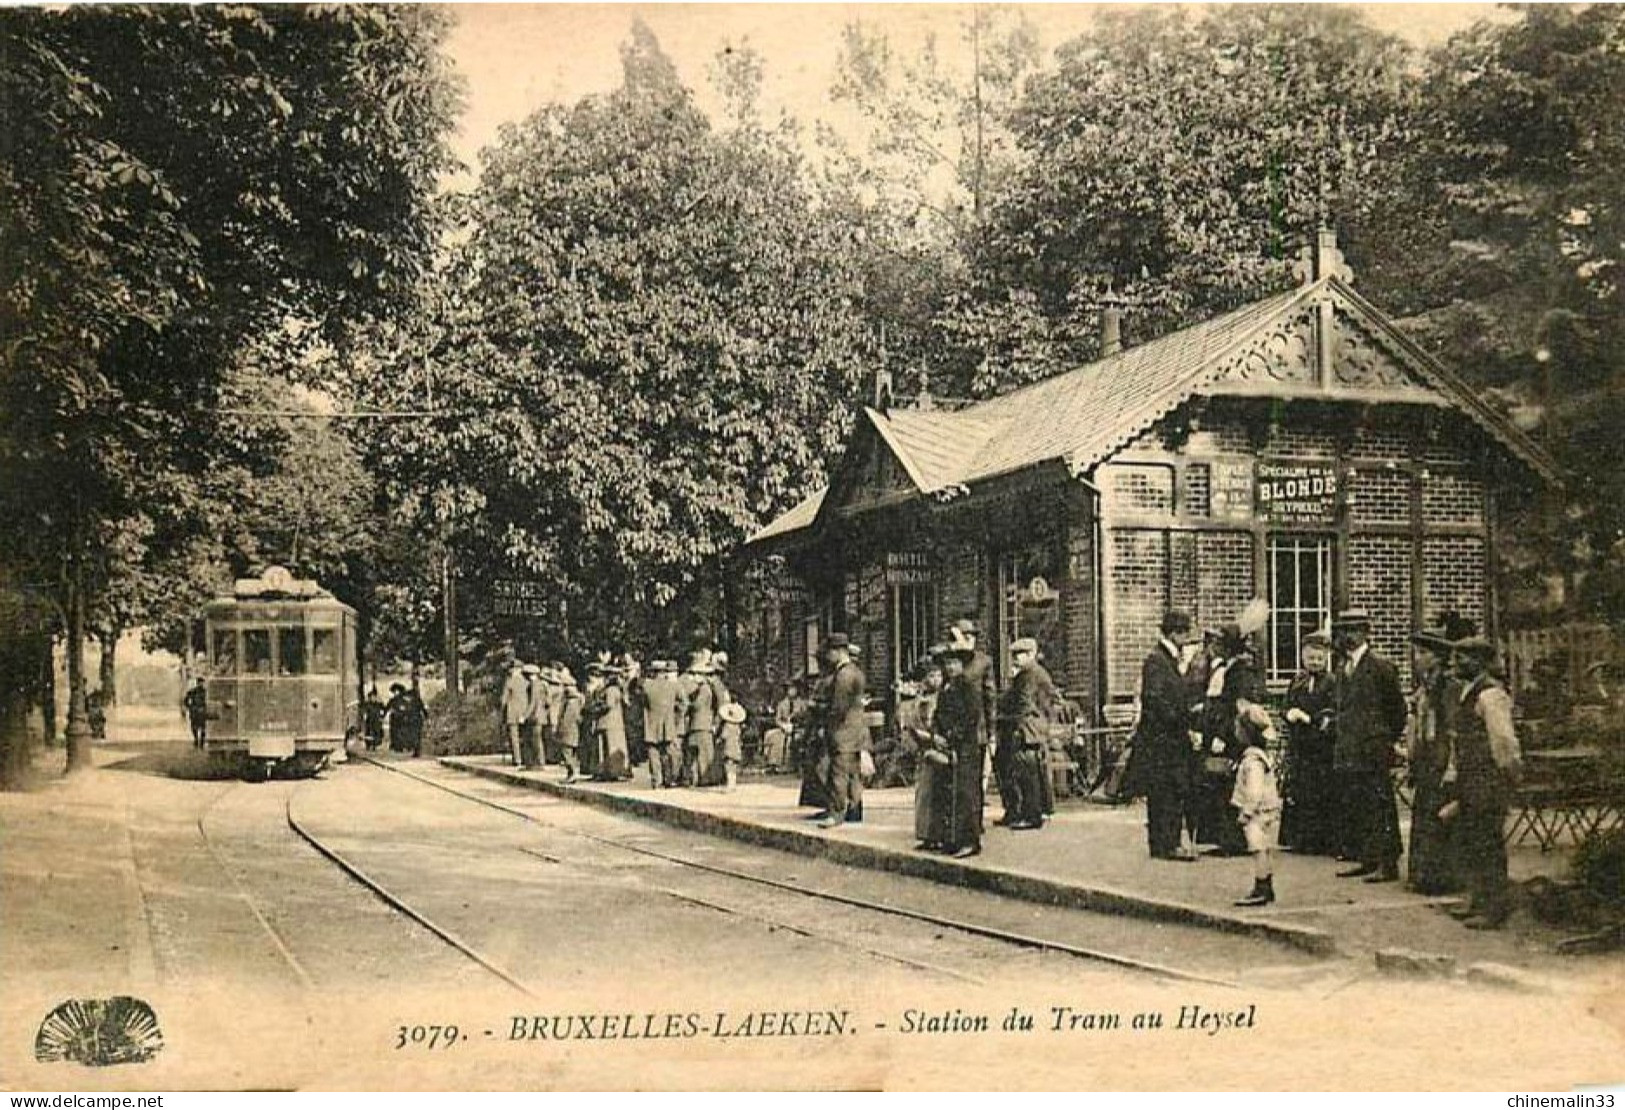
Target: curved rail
395 902
277 940
1020 940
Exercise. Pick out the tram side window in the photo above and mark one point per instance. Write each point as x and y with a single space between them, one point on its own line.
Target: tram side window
225 651
290 651
324 651
256 651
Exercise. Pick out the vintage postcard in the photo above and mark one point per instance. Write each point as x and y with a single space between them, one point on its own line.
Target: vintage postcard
812 547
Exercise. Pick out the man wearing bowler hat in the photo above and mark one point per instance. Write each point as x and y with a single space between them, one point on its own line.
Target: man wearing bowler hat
847 729
1370 719
1485 764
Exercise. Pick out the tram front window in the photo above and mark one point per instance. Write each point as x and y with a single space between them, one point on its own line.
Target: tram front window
324 651
256 651
290 651
225 651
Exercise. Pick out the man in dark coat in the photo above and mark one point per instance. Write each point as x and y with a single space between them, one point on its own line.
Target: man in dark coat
1023 719
1163 757
197 712
663 716
1370 722
847 729
982 691
1486 766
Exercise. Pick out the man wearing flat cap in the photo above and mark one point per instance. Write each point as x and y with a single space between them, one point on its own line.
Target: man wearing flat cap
847 730
1486 766
1371 718
1429 861
1024 734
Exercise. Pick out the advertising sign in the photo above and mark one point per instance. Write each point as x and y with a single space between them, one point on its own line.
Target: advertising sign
1297 492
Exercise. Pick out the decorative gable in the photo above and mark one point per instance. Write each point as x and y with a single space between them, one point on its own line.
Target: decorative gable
1326 346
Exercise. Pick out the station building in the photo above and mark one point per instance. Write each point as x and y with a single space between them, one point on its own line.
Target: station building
1301 449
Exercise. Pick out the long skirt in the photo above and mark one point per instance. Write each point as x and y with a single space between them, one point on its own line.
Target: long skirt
962 824
930 822
1430 863
1309 816
614 761
1217 821
1025 803
775 748
815 782
592 753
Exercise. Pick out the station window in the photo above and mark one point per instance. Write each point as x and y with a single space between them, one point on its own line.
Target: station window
1300 584
916 624
256 651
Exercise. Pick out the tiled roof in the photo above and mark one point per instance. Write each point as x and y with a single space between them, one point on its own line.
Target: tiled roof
1083 416
803 514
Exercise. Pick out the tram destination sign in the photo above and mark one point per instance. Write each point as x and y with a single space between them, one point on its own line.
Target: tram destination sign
1297 492
518 597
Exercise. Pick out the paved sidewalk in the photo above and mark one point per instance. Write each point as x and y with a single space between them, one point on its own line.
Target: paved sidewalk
1091 856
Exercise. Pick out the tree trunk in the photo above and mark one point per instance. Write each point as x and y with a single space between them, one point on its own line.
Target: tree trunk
78 731
48 691
15 749
109 664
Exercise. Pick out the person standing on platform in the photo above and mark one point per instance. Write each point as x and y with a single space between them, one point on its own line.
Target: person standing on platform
632 681
1486 767
847 730
1370 723
730 726
815 751
699 721
1430 857
662 729
516 695
614 764
985 698
916 710
777 737
958 722
1023 734
1256 798
1163 758
569 725
1233 679
530 729
593 706
196 704
1308 822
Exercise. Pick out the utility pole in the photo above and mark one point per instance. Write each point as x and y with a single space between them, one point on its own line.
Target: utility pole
448 604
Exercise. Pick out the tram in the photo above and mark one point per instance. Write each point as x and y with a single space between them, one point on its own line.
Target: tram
282 683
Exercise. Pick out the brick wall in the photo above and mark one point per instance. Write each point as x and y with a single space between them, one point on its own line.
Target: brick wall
1454 571
1139 576
1380 497
1452 497
1080 602
1380 583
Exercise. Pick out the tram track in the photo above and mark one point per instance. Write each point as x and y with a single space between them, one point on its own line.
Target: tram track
1012 938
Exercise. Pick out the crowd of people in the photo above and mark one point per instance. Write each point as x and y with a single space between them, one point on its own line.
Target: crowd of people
684 725
1203 755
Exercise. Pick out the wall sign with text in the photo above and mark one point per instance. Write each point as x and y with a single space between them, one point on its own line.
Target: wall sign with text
1297 492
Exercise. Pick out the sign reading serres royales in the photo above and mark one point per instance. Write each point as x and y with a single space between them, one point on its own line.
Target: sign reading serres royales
517 597
1297 491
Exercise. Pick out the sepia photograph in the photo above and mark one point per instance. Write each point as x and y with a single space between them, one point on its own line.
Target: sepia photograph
812 547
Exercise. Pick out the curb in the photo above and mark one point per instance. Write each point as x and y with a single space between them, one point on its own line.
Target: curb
1011 884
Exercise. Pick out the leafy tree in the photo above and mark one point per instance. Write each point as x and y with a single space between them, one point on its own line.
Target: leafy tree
1179 161
180 180
648 347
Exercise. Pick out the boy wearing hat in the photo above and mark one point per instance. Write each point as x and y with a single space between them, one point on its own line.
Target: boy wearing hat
1371 717
1486 766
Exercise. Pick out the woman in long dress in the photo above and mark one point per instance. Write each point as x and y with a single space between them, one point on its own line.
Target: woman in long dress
915 710
1308 822
1237 678
614 759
